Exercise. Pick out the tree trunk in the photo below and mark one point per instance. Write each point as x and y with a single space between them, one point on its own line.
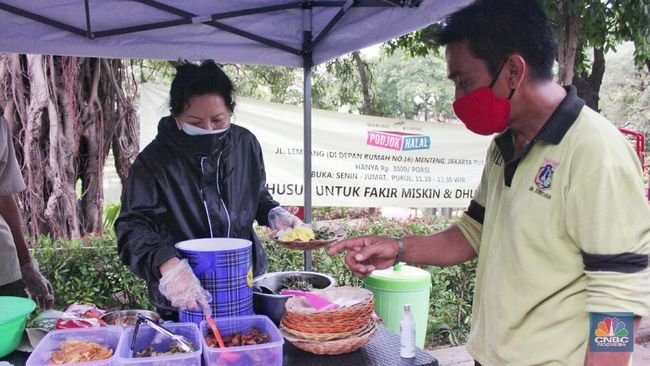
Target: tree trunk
123 126
368 108
568 35
588 85
65 110
362 67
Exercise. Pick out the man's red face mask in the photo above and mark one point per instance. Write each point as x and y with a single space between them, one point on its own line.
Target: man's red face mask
482 112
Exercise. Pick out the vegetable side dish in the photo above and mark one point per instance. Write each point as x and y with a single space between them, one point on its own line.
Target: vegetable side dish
150 352
296 283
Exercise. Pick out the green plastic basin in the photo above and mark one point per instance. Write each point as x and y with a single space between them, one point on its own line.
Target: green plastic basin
13 317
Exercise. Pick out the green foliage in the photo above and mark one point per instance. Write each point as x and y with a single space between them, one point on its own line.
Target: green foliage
334 213
268 83
152 71
88 271
603 24
453 287
419 43
625 95
337 85
399 86
413 87
451 303
111 211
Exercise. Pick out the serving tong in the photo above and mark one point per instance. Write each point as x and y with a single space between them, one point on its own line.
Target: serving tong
184 343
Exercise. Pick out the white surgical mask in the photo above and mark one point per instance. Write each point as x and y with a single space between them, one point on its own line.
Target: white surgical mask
196 131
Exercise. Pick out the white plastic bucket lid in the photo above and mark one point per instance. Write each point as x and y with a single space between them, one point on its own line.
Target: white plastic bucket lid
213 244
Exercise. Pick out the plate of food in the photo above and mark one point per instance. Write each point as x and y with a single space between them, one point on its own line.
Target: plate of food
310 236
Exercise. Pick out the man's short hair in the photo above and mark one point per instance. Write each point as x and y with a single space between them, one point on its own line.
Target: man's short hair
496 29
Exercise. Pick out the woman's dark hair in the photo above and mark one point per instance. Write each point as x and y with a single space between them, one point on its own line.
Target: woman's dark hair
496 29
192 79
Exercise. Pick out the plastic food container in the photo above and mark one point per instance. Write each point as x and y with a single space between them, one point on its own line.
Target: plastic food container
13 317
148 337
104 336
266 354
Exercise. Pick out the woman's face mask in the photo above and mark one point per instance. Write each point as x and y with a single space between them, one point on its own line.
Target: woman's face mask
482 111
197 131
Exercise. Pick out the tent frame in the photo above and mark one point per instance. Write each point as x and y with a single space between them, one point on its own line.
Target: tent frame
308 45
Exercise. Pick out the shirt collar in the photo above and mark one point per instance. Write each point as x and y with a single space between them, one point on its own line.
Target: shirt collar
554 129
562 118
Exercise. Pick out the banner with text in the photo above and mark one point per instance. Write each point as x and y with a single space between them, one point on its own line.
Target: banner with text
357 161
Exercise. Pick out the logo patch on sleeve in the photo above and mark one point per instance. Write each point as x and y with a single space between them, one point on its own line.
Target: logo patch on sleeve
611 332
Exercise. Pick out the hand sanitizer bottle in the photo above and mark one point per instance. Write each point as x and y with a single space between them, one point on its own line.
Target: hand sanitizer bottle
407 334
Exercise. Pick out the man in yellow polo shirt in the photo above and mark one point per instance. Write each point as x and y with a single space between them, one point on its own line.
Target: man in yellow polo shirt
559 222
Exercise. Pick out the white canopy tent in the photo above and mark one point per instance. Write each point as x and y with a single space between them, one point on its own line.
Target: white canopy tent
270 32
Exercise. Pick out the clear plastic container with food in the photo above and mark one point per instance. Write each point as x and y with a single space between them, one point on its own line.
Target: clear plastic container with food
155 349
79 346
250 341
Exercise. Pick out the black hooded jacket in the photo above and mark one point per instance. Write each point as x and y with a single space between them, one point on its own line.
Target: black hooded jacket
184 187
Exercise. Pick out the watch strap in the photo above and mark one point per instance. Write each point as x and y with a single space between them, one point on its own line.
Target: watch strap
400 253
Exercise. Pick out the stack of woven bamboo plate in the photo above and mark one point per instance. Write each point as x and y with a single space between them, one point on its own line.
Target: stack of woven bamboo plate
333 331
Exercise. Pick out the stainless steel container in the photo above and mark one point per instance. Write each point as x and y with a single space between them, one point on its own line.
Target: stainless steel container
126 318
272 304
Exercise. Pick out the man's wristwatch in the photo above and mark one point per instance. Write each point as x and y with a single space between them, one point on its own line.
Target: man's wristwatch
400 253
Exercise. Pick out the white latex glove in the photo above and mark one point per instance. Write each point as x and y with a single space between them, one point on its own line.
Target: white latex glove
279 219
181 287
37 286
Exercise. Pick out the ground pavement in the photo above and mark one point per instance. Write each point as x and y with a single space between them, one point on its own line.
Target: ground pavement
458 356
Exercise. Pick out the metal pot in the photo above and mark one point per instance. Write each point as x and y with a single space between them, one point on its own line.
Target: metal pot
272 304
126 318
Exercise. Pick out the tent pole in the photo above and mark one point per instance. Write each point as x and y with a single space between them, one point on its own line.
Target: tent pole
306 156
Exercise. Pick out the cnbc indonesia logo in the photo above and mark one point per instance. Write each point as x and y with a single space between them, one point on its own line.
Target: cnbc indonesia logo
400 141
611 332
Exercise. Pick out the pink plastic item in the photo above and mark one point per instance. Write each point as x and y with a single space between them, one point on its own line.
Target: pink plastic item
314 300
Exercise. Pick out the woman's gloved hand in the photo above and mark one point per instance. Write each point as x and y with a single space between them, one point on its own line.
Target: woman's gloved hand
37 286
279 219
181 287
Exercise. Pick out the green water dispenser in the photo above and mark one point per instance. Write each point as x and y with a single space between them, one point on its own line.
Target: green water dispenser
399 285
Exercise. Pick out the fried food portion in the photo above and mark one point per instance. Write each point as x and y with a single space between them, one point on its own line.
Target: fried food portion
73 351
299 234
239 339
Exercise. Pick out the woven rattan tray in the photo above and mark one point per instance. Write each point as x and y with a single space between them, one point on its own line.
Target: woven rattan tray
320 336
334 347
357 307
349 298
329 322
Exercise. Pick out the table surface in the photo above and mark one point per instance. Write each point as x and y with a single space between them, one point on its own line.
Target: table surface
382 350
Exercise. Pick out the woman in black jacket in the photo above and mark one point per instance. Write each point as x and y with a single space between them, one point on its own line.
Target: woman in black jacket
201 177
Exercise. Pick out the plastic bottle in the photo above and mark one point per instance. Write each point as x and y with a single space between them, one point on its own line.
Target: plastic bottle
407 334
